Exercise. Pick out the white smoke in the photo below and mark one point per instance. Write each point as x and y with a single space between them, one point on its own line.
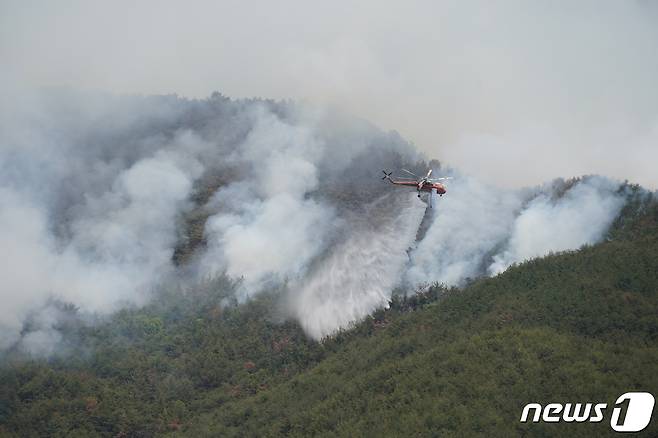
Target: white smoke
267 229
469 222
120 244
43 339
82 221
94 190
479 229
580 217
24 233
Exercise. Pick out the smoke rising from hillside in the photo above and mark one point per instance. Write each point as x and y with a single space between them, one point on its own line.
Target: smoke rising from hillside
479 230
98 192
265 227
90 217
469 222
580 217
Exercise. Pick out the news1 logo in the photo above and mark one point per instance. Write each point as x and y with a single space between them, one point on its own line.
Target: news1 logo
631 413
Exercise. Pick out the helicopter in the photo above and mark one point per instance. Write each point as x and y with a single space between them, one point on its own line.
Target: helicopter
422 184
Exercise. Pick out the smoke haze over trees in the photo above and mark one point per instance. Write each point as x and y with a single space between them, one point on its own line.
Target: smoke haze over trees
107 198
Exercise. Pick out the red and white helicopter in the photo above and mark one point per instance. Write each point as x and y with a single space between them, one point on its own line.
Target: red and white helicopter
422 184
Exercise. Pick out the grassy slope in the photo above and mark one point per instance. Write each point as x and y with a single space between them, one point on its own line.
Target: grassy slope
577 327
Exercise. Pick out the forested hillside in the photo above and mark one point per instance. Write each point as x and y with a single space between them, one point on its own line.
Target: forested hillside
577 326
304 219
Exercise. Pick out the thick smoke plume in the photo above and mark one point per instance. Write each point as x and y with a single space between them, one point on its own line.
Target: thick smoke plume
266 227
104 198
479 229
580 217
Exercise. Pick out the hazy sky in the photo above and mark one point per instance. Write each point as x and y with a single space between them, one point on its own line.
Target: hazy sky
515 92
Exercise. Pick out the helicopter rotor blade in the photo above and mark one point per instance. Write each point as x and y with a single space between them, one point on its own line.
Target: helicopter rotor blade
410 173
